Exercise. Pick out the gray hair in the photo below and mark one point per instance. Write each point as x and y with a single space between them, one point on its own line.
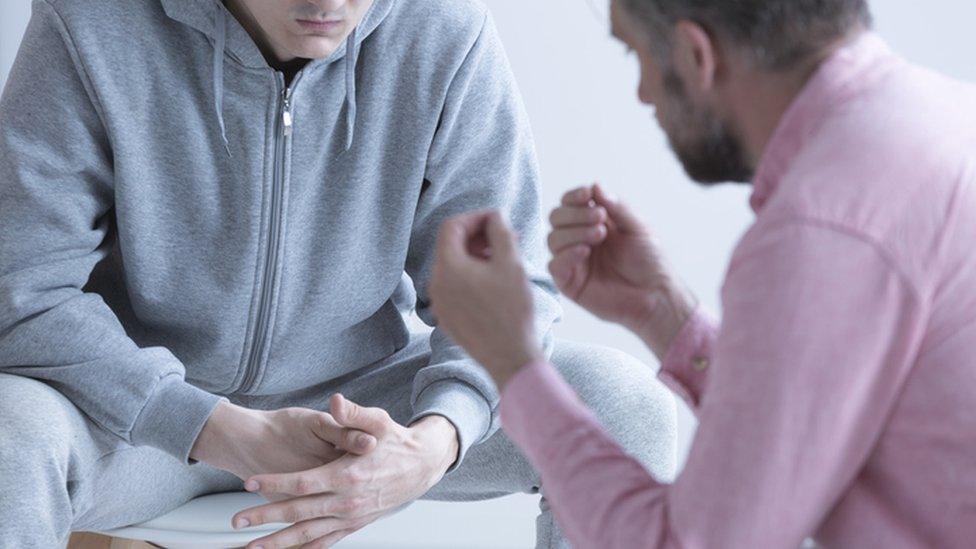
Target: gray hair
775 33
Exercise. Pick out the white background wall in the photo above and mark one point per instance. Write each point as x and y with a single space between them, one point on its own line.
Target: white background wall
580 90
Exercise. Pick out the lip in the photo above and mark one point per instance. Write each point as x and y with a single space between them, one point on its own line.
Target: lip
320 26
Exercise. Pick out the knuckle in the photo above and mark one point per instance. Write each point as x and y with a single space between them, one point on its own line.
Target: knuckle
326 422
448 226
304 486
306 534
291 515
291 413
554 216
345 507
326 508
349 477
356 507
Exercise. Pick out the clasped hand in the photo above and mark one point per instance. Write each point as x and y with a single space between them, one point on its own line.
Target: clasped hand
327 503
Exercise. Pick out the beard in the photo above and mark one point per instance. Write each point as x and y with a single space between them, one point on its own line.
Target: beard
707 147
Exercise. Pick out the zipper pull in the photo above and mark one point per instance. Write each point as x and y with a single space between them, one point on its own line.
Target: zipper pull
286 118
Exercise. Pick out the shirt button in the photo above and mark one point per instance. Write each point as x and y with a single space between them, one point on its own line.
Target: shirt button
700 364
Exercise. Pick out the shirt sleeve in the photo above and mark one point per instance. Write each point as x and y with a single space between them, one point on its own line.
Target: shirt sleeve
482 157
817 339
685 367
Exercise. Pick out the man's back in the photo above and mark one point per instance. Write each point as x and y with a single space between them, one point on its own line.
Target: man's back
893 165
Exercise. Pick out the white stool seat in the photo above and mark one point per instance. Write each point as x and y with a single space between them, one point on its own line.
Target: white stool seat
203 523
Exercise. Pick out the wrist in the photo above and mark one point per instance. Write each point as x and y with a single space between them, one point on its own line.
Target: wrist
504 367
664 315
225 429
440 437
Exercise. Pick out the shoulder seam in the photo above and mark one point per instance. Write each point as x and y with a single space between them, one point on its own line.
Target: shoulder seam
837 228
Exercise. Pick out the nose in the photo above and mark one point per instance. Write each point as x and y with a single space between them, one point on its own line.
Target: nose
644 94
329 5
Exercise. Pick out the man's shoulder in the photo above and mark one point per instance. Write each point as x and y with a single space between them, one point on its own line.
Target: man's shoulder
94 8
887 167
460 13
896 139
441 20
120 15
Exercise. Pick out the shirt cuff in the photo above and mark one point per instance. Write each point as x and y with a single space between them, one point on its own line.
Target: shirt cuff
685 367
462 405
173 417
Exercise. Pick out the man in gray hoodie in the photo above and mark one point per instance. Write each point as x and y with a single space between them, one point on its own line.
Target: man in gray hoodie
215 218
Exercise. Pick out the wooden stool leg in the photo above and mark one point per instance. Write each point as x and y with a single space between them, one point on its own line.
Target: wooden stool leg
87 540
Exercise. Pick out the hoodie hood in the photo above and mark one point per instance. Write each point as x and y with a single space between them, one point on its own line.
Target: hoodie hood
229 38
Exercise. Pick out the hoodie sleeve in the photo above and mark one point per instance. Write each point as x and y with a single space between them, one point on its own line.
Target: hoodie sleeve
482 157
56 220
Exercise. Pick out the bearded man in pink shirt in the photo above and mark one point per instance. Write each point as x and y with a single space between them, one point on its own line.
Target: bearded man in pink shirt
836 397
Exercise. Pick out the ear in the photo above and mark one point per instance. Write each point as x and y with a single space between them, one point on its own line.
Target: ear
695 57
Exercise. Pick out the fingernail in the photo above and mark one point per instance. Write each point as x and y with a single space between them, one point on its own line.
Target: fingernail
362 441
242 523
251 486
258 547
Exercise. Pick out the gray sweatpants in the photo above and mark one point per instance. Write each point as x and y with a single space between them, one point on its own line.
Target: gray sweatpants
61 473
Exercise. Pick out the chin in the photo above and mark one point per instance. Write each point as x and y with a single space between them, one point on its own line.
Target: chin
318 47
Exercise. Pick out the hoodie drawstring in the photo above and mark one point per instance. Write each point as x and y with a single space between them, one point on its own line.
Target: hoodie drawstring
352 57
220 43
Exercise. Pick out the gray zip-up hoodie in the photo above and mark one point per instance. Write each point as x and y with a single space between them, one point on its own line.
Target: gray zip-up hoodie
176 225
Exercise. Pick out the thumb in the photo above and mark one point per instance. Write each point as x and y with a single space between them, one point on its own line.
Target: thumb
501 237
624 220
374 421
348 440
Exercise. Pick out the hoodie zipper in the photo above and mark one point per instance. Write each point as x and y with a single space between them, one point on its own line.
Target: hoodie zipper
269 277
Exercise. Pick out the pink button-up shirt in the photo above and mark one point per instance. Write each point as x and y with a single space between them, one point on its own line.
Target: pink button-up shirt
838 397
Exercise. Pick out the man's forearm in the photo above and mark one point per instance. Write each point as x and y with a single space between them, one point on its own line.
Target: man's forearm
216 443
667 312
443 437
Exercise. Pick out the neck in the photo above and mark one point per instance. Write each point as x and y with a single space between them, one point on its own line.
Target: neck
766 96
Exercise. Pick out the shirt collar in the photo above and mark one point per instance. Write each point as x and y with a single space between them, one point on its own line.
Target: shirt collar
843 75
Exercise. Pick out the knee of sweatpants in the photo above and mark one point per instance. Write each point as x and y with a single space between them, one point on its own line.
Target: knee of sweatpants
627 398
35 432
